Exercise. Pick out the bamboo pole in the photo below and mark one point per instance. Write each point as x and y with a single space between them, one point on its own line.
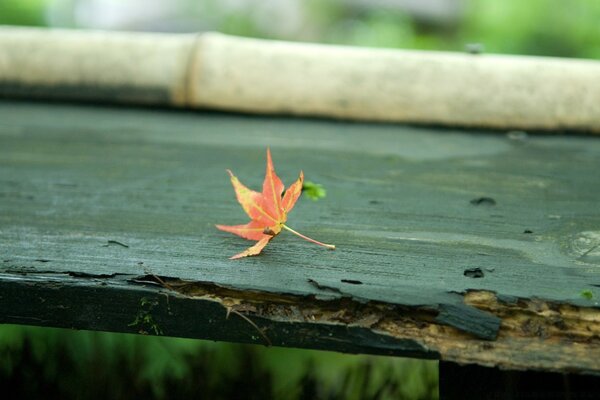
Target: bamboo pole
216 71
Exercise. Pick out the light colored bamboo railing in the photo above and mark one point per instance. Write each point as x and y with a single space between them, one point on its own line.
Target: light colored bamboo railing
216 71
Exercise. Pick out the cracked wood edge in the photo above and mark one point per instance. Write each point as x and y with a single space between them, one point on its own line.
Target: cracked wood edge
119 304
534 334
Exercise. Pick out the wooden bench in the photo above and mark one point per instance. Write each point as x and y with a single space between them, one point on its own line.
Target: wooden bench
470 247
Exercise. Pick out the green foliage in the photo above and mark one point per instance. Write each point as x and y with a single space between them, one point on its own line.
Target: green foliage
313 191
587 294
533 27
93 365
536 27
22 12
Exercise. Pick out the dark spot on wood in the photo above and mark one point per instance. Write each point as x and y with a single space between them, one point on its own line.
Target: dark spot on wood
559 323
42 260
75 274
374 202
324 287
473 273
533 327
420 324
487 346
352 281
527 231
553 306
268 231
109 242
6 260
485 201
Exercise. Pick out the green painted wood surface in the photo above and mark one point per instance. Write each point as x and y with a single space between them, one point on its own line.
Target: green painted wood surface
399 208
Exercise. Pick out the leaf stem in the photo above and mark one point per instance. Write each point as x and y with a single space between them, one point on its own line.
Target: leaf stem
329 246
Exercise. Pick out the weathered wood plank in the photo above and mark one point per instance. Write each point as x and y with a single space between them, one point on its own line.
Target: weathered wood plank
112 304
416 258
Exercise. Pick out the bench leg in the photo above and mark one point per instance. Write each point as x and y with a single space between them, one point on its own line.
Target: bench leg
475 382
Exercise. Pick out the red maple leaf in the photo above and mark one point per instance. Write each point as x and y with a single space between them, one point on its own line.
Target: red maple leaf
267 210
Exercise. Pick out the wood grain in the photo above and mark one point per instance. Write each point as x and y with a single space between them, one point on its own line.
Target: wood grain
94 200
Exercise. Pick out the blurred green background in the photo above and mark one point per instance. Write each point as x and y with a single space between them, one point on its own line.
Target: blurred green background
62 364
68 364
532 27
